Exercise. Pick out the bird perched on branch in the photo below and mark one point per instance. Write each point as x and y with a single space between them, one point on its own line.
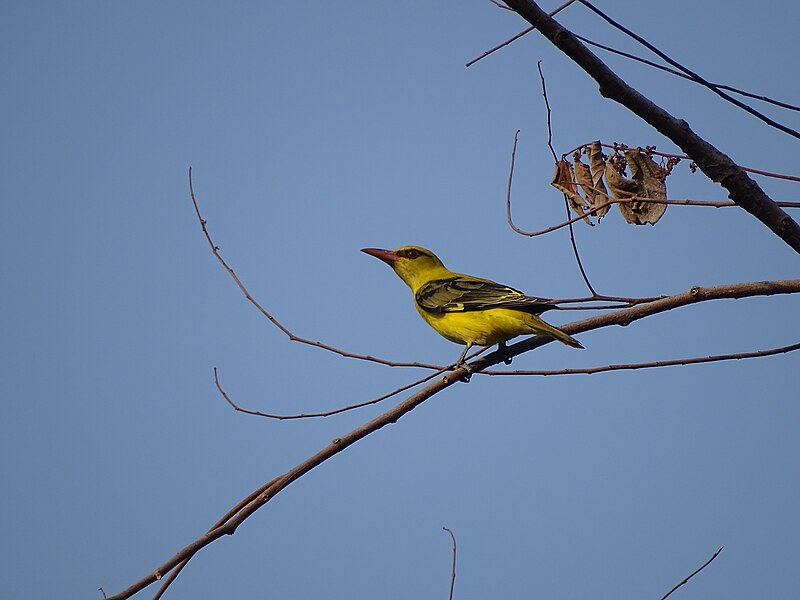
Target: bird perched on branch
465 309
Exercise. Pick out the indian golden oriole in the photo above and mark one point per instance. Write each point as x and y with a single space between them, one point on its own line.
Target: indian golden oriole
465 309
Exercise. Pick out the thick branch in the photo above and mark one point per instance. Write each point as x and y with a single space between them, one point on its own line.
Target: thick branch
717 166
621 317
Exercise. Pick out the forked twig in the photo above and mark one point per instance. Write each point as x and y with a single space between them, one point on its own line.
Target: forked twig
517 36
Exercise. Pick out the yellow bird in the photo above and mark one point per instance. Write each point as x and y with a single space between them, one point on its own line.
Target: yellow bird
465 309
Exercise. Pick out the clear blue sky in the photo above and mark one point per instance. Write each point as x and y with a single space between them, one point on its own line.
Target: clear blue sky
315 129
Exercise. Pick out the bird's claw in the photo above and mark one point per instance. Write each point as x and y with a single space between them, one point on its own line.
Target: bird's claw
504 349
467 368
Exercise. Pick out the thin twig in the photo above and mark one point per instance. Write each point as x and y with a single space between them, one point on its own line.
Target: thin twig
508 187
566 201
503 45
517 36
759 115
453 569
257 413
654 364
650 63
329 413
703 566
627 302
655 65
272 319
270 490
547 106
589 212
575 251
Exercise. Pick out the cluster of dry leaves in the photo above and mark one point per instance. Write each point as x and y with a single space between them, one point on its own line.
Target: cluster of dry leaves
640 197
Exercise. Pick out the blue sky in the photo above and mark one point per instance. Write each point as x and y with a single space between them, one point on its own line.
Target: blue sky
314 130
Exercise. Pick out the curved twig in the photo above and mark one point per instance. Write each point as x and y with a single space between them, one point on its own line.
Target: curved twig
336 411
272 319
453 569
574 244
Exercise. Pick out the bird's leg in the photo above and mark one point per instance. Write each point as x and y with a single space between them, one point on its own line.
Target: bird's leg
460 363
501 347
461 358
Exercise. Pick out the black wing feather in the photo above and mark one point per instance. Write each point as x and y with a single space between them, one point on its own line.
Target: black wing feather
463 294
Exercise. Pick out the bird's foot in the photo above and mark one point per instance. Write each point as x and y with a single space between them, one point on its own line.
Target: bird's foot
501 347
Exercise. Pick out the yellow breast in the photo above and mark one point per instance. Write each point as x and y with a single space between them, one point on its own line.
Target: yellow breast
482 328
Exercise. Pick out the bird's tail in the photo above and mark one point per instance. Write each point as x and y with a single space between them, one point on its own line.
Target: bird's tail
543 328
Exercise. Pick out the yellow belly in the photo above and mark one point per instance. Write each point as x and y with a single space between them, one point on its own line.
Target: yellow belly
484 328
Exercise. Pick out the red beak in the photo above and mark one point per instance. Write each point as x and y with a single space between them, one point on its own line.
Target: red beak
386 256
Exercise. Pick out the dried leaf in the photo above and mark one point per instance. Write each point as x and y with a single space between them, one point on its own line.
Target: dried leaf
564 181
650 179
590 179
647 181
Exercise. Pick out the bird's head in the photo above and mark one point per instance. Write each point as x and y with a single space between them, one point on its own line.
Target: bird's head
413 264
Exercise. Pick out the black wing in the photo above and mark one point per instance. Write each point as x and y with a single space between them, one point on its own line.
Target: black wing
462 294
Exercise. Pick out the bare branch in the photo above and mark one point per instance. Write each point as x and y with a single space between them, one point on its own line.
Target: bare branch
716 165
453 570
703 566
329 413
268 491
510 180
272 319
694 76
547 108
179 567
650 63
566 200
650 365
517 36
627 302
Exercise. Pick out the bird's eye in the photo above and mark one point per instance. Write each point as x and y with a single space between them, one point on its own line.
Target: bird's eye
411 253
